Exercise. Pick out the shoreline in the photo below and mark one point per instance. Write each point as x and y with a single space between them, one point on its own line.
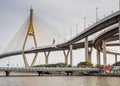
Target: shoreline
53 75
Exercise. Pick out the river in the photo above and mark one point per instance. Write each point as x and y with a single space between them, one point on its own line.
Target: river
59 81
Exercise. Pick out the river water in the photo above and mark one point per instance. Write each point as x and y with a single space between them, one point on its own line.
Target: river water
59 81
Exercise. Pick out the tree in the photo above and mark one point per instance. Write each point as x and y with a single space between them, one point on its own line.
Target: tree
116 64
99 66
53 65
61 64
89 64
85 64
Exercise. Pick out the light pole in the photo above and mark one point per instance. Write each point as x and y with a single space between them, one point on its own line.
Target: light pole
71 33
76 29
65 37
119 4
119 23
112 12
8 62
84 23
58 39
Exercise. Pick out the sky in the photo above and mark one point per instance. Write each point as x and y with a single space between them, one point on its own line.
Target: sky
62 15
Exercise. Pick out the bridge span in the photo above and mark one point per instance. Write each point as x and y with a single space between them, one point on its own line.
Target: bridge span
108 35
41 70
71 44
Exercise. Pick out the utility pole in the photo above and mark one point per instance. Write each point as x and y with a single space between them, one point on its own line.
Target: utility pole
96 14
84 23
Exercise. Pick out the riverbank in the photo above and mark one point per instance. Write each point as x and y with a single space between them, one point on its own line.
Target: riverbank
24 74
105 74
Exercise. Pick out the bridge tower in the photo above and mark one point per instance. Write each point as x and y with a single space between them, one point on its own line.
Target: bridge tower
30 32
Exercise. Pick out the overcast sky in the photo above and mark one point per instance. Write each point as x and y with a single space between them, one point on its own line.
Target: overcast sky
62 15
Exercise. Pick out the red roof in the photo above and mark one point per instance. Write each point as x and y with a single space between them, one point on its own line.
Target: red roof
107 67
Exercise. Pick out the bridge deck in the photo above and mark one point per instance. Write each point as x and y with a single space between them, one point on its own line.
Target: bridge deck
35 69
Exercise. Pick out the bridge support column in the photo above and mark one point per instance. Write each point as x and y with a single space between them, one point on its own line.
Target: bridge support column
69 73
89 55
7 73
46 57
39 73
115 58
98 57
119 31
86 49
104 52
71 55
25 59
66 56
34 60
30 32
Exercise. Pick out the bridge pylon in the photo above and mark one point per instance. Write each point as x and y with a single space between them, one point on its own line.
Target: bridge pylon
31 33
66 56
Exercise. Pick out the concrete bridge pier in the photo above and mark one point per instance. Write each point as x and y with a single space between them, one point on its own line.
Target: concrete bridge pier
7 73
66 56
104 52
69 73
34 60
115 58
25 59
86 48
89 54
71 55
89 57
46 57
39 73
119 31
98 57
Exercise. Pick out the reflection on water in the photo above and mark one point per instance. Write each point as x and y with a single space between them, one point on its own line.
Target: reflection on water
60 81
